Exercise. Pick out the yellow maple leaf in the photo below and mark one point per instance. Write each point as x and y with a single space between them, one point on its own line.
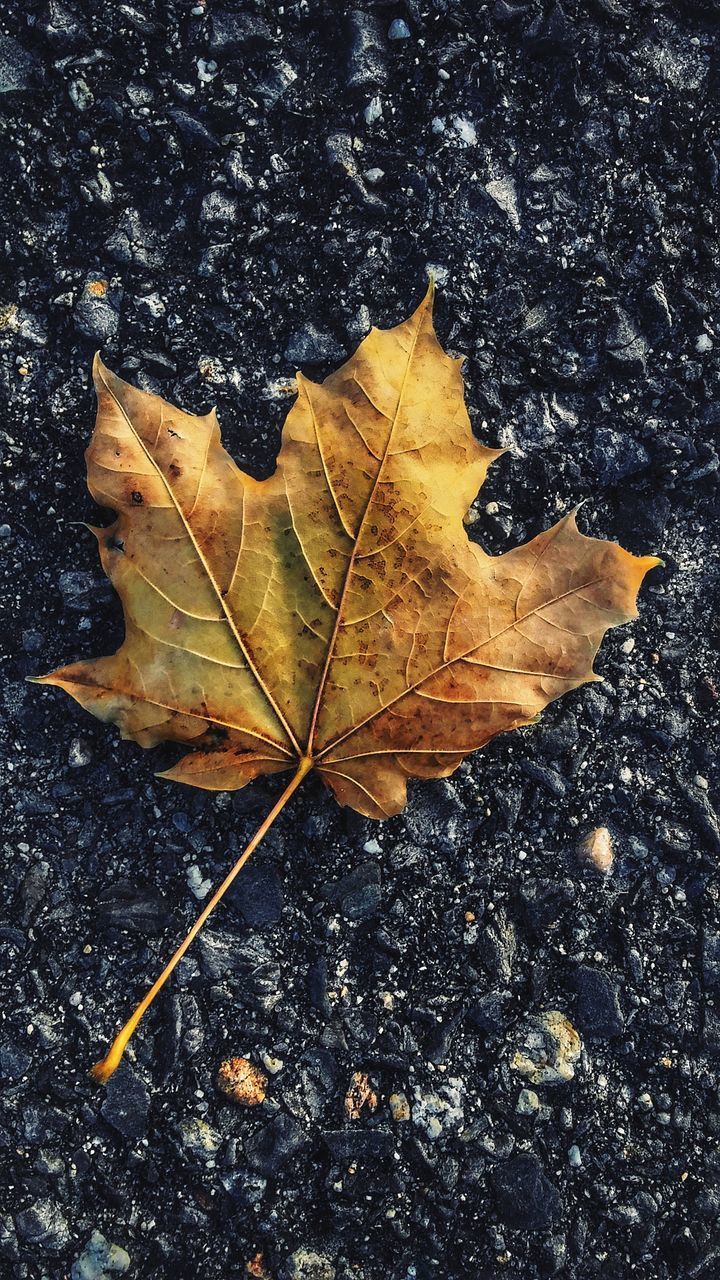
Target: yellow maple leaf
334 617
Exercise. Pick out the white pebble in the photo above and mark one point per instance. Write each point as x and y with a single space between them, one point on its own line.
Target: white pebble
504 192
79 754
373 110
272 1065
528 1102
465 130
206 70
399 30
197 885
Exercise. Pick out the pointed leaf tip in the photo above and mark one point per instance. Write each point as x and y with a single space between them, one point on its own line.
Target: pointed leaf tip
425 306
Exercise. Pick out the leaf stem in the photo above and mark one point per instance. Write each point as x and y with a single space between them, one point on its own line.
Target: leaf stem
104 1069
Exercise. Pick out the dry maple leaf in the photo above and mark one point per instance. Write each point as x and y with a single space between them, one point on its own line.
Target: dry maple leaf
334 616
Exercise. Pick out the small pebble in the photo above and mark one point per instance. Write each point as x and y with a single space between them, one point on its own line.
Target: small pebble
399 30
704 344
207 70
504 192
273 1065
238 1079
574 1157
255 1266
152 305
528 1103
465 130
596 851
436 1111
81 94
399 1107
308 1264
548 1048
360 1096
99 1260
199 887
199 1139
373 110
79 754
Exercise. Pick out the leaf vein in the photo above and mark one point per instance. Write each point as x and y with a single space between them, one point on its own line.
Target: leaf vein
245 653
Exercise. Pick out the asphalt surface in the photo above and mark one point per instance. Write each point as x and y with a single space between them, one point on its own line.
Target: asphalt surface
214 196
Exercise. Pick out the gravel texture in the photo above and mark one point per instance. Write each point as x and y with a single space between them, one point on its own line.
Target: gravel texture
210 193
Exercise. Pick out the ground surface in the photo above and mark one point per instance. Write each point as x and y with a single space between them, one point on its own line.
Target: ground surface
251 186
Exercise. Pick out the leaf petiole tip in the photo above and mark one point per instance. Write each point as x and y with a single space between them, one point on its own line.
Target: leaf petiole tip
103 1069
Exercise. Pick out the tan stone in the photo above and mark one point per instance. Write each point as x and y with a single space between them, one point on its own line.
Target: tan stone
241 1081
360 1095
596 851
399 1107
548 1049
